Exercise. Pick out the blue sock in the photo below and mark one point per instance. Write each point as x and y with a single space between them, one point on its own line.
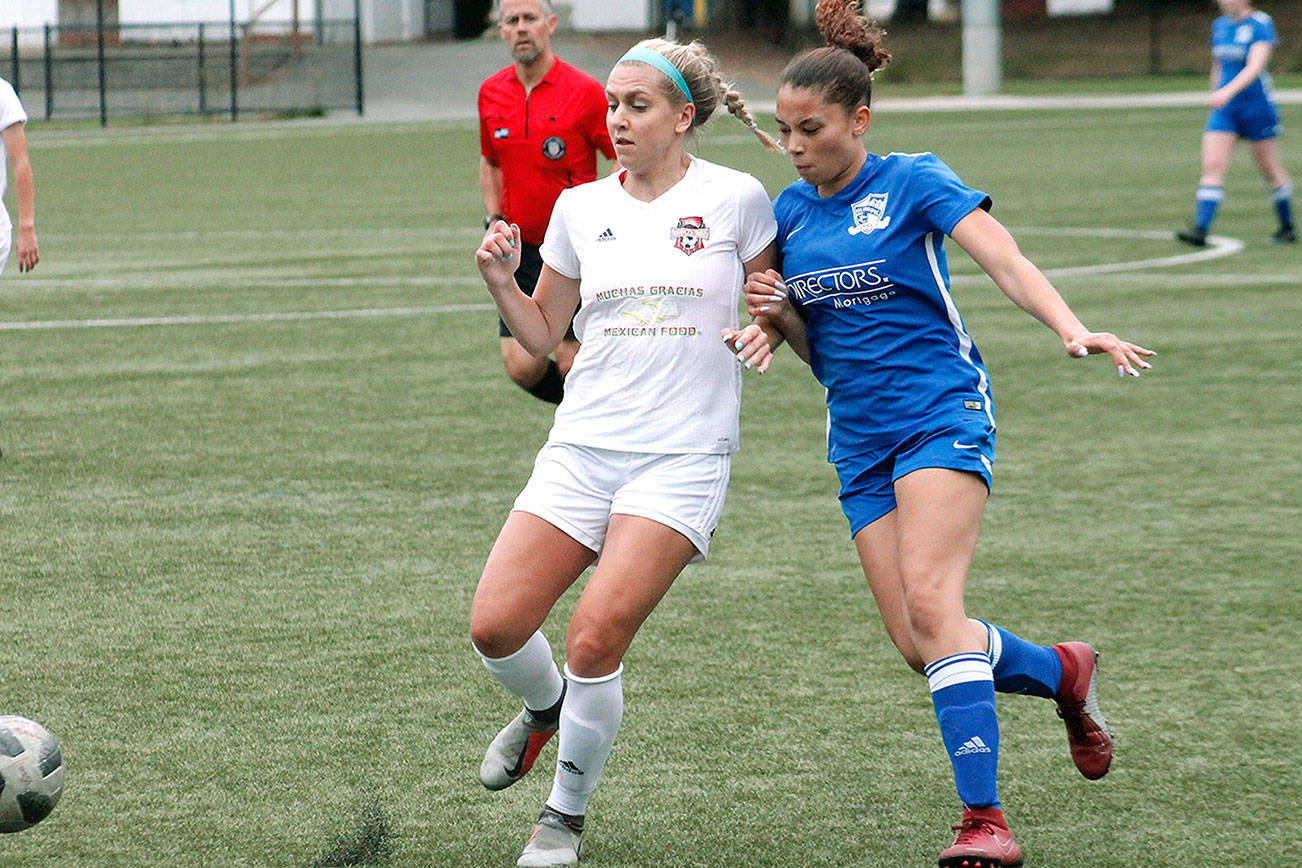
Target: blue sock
1283 198
1209 198
1021 666
963 693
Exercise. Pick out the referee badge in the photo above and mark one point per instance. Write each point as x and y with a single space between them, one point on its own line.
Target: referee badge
554 148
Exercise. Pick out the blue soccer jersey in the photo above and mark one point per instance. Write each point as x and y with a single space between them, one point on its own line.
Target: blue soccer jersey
1231 41
867 269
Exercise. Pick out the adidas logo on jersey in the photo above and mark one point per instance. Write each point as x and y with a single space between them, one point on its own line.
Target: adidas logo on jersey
972 745
607 235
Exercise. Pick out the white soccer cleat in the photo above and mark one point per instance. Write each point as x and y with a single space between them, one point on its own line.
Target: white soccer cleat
554 842
514 750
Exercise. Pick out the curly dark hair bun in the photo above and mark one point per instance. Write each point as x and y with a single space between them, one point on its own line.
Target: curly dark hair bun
843 26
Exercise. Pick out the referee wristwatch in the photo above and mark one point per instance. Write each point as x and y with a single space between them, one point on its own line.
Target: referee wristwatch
493 218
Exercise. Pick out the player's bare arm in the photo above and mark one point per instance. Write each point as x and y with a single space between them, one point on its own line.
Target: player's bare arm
25 191
490 187
992 247
538 322
1258 58
755 346
767 302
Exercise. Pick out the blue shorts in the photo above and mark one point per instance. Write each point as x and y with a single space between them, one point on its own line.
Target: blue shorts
868 480
1255 120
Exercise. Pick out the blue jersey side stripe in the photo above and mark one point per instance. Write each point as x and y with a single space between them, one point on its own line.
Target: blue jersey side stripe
964 339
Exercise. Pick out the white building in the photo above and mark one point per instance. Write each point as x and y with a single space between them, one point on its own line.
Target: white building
398 20
382 20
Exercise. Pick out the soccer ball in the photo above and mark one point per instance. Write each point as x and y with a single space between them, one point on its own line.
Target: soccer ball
31 773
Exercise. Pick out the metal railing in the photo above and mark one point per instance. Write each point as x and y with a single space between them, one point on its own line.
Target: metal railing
224 68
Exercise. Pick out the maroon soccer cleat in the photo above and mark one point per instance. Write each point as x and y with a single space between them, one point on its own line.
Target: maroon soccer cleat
983 842
1088 734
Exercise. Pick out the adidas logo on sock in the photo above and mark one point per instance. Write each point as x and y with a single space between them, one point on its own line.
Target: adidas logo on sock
972 745
575 770
607 235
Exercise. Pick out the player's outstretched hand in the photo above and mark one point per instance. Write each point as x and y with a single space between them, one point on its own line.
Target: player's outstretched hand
765 294
1125 355
498 255
750 346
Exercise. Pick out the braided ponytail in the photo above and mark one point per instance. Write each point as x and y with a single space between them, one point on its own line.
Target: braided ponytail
700 70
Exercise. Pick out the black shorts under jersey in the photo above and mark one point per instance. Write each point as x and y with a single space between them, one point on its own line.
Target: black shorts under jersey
527 277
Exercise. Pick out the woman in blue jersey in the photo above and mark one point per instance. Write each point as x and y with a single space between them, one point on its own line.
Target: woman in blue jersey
865 300
1241 108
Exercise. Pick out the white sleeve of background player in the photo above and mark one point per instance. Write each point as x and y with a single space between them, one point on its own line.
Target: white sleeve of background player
11 110
756 225
557 249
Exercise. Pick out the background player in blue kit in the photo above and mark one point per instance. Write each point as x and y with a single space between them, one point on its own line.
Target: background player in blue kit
1242 41
911 432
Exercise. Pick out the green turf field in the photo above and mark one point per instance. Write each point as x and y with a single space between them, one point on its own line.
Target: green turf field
258 440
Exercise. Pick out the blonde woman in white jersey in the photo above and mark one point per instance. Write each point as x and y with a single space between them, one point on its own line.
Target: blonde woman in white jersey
637 461
13 146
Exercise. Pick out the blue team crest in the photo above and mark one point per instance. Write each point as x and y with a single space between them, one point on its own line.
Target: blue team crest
869 214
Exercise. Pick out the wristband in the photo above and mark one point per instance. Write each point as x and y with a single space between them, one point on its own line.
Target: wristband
493 218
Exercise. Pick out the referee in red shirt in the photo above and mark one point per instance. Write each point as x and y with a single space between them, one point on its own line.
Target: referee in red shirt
541 123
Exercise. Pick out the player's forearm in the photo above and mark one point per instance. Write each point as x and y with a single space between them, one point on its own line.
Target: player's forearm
25 192
525 319
1030 290
1258 57
490 186
786 326
1240 82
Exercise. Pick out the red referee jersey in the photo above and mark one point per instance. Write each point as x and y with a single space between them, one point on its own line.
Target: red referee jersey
544 142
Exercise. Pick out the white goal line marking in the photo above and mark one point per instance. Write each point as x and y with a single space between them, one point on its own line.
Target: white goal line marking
1218 247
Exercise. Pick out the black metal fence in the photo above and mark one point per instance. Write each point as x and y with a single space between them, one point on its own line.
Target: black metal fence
196 68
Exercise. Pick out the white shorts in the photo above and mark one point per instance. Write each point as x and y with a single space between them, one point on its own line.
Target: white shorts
4 247
578 489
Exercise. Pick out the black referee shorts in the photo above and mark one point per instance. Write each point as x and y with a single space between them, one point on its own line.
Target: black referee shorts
527 277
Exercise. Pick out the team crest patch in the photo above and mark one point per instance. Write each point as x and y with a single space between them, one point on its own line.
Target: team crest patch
690 234
869 214
501 133
554 148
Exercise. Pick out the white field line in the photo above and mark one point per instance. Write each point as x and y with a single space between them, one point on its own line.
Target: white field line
259 131
1217 248
204 319
225 281
466 232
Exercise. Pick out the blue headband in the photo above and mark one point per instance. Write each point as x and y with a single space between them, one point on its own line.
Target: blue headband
660 62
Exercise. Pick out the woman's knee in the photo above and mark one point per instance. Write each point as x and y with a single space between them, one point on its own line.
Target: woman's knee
931 610
593 649
496 638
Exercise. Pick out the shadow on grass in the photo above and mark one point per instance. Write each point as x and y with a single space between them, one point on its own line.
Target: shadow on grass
368 840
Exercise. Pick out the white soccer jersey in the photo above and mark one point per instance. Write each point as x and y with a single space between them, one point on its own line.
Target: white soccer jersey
658 281
11 112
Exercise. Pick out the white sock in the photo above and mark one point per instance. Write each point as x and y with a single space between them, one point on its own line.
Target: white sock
529 673
590 719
